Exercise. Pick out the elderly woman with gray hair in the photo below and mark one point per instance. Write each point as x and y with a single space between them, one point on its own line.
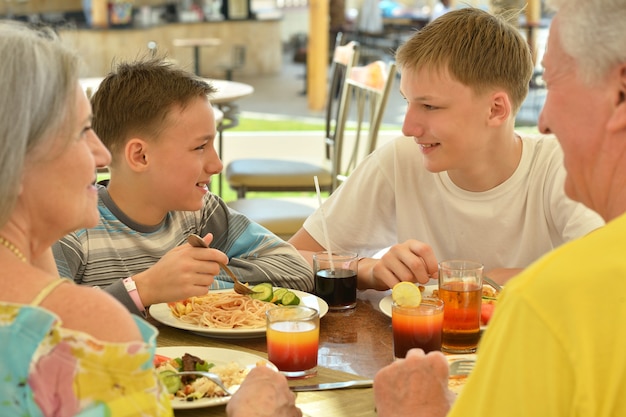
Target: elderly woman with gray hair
67 350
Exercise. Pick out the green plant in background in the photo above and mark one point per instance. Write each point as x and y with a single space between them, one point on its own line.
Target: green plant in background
251 124
264 125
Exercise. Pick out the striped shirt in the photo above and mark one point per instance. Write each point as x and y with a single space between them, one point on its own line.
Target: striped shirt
118 247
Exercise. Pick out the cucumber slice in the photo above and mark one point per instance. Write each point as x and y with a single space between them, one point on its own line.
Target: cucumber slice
290 299
278 295
263 292
204 366
171 381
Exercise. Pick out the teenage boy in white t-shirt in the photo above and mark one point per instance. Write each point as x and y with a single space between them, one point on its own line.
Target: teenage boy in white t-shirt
462 183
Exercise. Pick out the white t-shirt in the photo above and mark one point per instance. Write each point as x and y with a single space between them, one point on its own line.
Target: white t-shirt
391 197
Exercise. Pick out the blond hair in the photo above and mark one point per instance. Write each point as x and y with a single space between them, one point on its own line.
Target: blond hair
478 49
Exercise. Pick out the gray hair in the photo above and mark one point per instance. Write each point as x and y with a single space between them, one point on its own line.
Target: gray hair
593 32
38 78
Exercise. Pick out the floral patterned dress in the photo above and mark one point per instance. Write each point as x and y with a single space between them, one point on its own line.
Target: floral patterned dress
48 370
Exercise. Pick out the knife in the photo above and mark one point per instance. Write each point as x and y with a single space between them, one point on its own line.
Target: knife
364 383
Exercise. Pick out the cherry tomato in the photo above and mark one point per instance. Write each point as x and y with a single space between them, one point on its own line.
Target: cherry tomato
159 360
486 312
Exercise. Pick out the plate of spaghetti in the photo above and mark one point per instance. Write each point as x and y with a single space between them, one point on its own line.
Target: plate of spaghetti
225 314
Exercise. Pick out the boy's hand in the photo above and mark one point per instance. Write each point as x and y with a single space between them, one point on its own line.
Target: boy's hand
183 272
411 260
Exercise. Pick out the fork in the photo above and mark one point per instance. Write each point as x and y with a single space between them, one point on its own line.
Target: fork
210 375
461 367
198 242
494 284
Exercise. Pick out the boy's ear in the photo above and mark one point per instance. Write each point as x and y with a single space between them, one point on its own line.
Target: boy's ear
135 154
500 108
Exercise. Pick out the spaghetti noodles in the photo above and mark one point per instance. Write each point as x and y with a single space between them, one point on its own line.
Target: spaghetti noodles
225 310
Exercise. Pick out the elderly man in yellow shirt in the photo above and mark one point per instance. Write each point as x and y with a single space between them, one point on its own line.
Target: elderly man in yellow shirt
555 346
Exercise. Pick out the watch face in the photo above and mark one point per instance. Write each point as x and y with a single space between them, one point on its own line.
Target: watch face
131 288
129 284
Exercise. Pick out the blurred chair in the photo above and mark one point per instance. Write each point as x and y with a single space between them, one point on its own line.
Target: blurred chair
367 89
365 93
299 43
267 174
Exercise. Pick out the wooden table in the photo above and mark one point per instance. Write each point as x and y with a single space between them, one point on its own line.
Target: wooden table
353 345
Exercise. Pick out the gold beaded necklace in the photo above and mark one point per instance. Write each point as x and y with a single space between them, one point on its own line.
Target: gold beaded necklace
10 246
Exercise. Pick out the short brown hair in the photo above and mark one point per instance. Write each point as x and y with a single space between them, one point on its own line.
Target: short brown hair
136 98
478 49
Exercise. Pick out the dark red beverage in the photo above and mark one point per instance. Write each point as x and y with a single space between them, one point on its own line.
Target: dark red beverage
337 288
417 327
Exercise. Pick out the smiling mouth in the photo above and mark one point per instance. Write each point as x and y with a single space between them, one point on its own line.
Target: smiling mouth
429 145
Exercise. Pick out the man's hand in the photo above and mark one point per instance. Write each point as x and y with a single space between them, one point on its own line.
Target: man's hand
411 260
415 386
183 272
264 393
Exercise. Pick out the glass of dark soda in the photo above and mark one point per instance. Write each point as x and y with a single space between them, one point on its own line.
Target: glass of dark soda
335 278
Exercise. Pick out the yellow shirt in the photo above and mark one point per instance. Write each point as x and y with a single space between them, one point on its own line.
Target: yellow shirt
556 345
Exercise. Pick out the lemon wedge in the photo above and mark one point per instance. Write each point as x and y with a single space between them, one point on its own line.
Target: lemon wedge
406 294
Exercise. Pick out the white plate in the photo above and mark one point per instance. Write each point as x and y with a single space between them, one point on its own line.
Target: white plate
161 312
385 303
216 356
456 383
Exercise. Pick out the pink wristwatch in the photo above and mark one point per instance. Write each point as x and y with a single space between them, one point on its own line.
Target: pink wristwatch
131 287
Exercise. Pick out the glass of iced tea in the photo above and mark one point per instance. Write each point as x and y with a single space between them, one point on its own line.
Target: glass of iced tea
460 288
293 334
417 326
335 278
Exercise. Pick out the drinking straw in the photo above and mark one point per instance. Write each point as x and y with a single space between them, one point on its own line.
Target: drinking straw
324 227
